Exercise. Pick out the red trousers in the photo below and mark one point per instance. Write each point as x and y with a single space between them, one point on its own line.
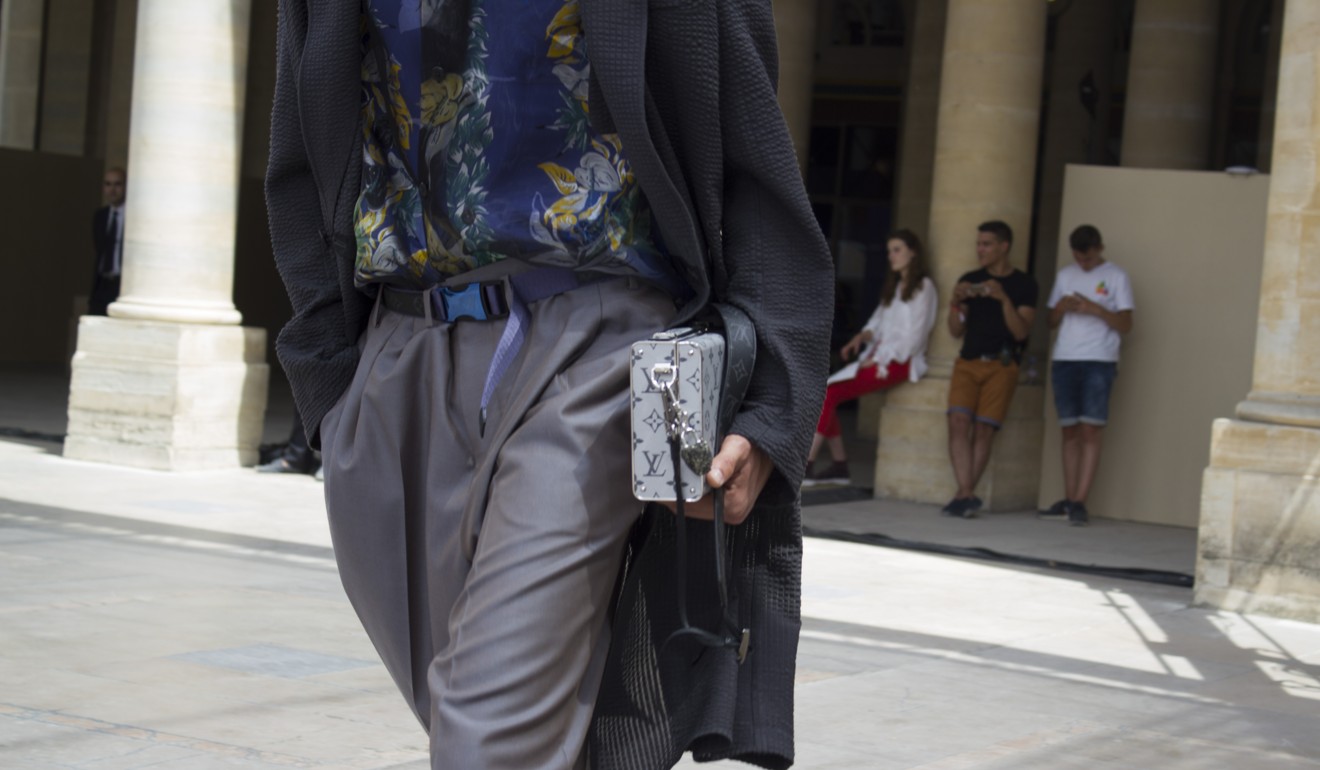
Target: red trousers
865 382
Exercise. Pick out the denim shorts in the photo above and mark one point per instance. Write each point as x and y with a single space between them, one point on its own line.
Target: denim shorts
1081 391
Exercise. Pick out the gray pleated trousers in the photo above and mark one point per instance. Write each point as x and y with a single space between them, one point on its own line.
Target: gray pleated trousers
482 567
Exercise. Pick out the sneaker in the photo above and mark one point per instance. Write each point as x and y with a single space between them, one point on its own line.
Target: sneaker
320 473
962 507
1077 515
835 473
1056 512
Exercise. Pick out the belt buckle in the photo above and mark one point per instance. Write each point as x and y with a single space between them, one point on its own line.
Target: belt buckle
478 301
465 303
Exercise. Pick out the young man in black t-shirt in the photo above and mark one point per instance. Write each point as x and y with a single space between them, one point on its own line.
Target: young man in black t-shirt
991 310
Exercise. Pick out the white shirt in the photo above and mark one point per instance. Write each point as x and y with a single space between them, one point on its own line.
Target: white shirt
1085 337
899 332
115 222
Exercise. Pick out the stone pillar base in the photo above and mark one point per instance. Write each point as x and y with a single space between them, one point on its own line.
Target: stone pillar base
1260 521
868 415
167 396
912 459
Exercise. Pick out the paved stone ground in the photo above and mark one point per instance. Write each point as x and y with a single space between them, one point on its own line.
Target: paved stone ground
196 621
153 620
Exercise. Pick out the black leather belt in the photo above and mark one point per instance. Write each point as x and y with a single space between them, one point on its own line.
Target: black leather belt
485 301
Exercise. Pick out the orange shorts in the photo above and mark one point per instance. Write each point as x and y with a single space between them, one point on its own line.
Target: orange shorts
982 389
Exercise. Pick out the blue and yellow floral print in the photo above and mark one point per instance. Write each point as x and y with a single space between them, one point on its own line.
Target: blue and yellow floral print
477 147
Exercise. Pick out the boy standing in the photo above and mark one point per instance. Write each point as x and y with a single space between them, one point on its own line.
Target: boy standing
991 311
1091 306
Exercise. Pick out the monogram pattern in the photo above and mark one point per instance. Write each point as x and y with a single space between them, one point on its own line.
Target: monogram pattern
699 358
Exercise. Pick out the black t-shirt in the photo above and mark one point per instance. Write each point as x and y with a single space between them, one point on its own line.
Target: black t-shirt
987 334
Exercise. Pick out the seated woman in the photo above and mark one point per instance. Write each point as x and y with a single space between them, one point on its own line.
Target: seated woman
892 347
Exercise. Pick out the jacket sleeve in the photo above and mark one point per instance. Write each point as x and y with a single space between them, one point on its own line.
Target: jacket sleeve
316 349
776 265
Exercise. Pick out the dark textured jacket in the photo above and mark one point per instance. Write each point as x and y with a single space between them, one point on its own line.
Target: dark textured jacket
689 86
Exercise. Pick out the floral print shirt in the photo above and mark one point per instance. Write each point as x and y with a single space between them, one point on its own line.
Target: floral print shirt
477 148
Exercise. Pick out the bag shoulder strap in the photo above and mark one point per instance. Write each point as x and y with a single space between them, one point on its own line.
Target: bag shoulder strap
739 360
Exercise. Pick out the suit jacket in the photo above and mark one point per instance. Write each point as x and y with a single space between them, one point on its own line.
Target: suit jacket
105 289
689 85
103 241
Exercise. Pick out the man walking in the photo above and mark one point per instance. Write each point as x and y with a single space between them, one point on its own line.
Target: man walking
1091 306
477 206
991 311
108 240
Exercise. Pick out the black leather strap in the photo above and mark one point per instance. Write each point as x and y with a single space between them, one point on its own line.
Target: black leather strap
739 359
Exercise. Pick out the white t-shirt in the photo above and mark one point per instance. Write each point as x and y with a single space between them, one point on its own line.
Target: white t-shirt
1085 337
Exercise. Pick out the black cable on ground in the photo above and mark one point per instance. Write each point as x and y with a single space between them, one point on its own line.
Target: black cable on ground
31 435
1162 577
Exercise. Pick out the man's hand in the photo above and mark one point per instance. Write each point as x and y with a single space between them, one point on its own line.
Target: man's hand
961 292
995 290
1120 321
742 470
958 308
1086 306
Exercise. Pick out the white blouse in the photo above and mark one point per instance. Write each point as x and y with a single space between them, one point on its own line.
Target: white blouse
899 332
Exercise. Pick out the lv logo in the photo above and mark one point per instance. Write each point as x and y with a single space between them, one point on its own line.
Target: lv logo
654 463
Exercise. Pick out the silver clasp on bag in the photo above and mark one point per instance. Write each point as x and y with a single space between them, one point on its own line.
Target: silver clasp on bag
694 451
664 378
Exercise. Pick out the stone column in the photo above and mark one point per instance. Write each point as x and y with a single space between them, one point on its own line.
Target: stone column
985 166
1075 130
1270 88
916 163
119 101
795 26
1170 94
921 108
1260 504
20 71
68 74
170 380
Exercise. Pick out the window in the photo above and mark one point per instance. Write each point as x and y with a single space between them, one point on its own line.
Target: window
877 23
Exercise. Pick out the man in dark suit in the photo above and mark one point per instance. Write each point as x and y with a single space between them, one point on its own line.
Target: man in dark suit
108 240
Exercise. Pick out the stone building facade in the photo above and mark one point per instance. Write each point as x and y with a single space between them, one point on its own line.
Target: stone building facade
932 115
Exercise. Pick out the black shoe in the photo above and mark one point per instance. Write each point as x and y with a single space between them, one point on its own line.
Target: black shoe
962 508
1056 512
1077 516
835 473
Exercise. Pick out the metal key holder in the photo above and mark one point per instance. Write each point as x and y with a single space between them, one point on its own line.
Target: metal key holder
695 451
